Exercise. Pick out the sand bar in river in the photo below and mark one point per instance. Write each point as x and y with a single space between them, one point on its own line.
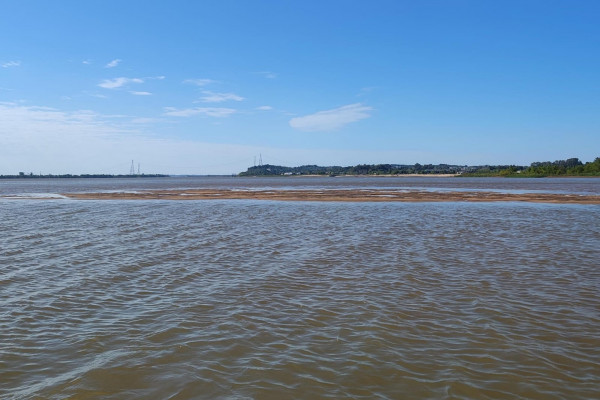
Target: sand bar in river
351 195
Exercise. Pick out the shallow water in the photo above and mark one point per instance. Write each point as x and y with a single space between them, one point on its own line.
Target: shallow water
274 300
39 187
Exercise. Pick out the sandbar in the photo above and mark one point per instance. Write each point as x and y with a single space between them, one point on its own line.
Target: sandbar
342 195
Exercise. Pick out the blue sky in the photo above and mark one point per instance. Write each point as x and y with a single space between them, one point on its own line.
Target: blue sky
204 87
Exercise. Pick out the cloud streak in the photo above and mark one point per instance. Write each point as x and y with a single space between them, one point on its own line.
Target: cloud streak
211 97
217 112
199 82
331 120
268 74
118 82
10 64
113 63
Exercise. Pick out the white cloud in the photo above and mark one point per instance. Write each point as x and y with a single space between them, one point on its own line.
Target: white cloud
199 82
86 62
330 120
9 64
264 108
217 112
118 82
211 97
113 63
141 93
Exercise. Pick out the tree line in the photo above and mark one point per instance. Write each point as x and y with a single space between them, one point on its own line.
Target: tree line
568 167
361 169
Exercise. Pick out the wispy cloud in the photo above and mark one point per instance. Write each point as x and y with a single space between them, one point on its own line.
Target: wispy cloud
9 64
330 120
54 141
268 74
113 63
199 82
30 121
366 90
211 97
145 120
217 112
141 93
86 62
118 82
264 108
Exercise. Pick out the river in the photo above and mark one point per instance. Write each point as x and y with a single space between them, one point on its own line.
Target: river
250 299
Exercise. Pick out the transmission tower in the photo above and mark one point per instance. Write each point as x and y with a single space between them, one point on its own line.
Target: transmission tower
138 169
132 169
260 160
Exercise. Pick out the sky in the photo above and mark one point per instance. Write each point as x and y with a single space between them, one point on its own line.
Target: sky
213 87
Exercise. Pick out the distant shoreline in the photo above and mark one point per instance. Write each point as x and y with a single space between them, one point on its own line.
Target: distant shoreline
82 176
66 177
353 176
568 167
414 176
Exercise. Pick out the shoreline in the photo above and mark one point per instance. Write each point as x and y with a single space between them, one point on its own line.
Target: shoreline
339 195
360 176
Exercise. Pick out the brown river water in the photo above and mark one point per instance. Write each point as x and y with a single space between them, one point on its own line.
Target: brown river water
250 299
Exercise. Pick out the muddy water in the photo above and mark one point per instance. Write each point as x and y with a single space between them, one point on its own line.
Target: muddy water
272 300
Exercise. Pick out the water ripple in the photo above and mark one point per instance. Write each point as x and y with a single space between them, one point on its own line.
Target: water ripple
254 300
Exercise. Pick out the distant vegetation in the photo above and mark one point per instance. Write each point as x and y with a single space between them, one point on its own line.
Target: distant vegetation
569 167
30 175
362 169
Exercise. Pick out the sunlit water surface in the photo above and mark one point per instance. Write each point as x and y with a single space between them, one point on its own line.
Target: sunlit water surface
274 300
